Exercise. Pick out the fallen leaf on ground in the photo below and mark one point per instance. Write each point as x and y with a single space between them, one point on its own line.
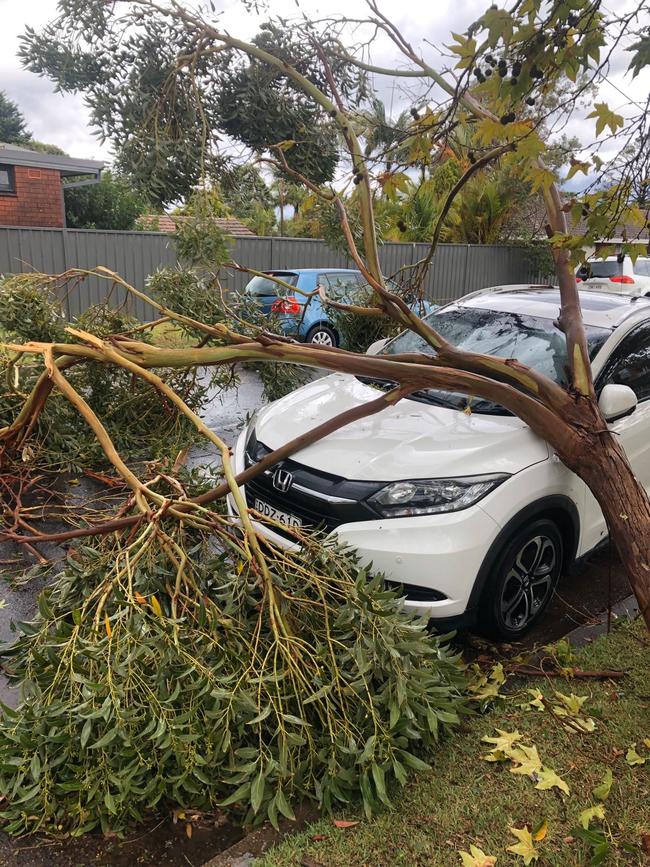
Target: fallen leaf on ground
548 779
570 704
587 816
537 700
633 758
524 847
476 858
495 756
645 843
307 861
505 741
540 832
601 792
342 823
316 838
527 759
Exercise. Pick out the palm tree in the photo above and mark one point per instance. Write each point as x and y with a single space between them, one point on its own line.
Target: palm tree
383 135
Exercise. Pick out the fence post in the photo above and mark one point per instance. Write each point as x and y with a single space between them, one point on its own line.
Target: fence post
271 265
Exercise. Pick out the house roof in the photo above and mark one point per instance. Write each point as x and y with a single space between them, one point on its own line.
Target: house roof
167 224
16 155
536 219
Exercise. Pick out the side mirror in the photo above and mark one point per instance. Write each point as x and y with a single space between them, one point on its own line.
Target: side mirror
616 401
376 347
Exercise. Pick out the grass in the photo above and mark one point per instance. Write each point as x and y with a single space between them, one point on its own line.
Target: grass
465 800
169 335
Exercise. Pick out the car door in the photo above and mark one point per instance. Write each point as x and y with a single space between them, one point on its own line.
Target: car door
629 365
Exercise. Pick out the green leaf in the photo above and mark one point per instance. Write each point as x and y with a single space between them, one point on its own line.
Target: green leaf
109 800
260 716
85 732
283 805
105 740
380 783
605 117
601 792
525 847
257 791
368 750
240 794
35 766
587 816
633 758
641 57
414 762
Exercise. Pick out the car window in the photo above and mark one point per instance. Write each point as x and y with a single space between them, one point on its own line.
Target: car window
642 267
599 268
263 286
630 363
533 340
342 286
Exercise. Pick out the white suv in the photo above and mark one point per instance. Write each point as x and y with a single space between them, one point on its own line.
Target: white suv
453 498
616 274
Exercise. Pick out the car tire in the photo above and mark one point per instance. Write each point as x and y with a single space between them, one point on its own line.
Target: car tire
322 335
522 581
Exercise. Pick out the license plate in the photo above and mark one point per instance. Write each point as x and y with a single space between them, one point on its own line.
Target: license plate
271 512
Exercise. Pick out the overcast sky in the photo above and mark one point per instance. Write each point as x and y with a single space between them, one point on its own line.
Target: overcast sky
63 119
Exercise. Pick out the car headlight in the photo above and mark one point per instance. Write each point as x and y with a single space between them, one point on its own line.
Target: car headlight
428 496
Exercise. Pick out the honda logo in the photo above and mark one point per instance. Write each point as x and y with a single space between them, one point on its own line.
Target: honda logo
282 480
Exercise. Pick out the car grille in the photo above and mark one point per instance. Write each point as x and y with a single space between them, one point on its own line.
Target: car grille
321 500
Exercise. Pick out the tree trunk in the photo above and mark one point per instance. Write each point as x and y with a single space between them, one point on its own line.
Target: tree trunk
626 508
597 457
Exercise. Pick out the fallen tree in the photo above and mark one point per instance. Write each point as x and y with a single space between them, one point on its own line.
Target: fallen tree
540 48
157 522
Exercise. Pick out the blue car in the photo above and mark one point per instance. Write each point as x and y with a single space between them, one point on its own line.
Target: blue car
303 315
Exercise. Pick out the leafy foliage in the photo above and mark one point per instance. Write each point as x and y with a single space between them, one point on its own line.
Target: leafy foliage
200 240
28 311
139 696
138 419
262 108
190 292
110 204
13 126
163 118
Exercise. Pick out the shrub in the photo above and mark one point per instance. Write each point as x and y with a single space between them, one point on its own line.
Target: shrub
139 420
29 311
146 691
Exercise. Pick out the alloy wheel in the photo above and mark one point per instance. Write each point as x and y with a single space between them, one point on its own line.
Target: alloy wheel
529 582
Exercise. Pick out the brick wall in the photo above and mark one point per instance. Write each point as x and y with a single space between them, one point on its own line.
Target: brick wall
37 202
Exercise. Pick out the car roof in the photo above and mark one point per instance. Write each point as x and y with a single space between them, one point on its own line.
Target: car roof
602 309
312 271
595 258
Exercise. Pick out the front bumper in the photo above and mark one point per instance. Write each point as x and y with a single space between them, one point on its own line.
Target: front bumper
441 553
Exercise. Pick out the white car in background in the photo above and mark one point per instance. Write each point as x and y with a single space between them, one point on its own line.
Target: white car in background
616 274
469 511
